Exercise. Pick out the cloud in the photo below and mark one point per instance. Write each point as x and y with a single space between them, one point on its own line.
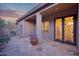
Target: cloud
11 15
10 19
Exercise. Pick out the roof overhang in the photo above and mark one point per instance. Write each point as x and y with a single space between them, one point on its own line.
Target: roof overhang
34 10
52 9
61 9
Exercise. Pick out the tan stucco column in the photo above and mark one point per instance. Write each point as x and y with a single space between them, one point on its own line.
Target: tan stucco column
38 25
21 28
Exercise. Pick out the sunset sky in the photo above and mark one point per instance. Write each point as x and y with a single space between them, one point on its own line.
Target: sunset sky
12 11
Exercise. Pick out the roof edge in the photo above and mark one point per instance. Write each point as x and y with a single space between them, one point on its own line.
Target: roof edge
32 10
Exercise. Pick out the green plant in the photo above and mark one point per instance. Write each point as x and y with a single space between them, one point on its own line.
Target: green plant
2 24
4 39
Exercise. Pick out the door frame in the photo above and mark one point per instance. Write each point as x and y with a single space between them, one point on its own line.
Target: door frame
74 29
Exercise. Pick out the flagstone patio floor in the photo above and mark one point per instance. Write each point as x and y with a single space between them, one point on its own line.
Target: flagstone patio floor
21 47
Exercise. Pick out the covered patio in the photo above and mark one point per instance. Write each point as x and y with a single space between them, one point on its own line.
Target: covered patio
52 34
44 23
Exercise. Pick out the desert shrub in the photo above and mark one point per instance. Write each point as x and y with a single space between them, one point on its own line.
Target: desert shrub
4 39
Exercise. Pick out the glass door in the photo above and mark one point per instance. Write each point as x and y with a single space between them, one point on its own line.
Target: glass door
58 29
68 29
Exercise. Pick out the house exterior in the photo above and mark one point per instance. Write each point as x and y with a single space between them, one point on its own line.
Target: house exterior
52 21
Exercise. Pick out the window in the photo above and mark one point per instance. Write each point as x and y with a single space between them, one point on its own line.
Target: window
45 26
64 29
58 31
68 29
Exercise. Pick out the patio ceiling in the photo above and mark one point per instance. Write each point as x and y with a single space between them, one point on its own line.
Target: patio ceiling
31 19
56 11
62 7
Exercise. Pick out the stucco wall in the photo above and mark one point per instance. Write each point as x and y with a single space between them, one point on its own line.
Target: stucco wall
24 28
50 34
29 28
51 29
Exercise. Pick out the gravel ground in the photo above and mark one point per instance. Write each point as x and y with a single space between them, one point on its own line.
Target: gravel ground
22 47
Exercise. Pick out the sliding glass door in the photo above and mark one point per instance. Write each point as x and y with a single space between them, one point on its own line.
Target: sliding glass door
58 31
68 29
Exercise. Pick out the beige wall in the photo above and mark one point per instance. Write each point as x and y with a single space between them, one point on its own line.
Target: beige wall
29 27
25 28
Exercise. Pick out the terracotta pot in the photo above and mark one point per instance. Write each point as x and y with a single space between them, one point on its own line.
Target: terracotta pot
34 41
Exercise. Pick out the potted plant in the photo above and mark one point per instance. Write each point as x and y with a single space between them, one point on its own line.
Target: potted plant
34 39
